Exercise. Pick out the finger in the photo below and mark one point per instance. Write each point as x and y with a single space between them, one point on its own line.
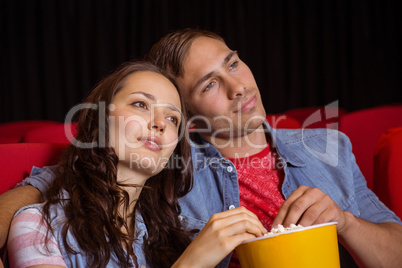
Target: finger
243 225
238 214
309 205
329 214
313 214
254 219
287 204
234 241
237 210
308 208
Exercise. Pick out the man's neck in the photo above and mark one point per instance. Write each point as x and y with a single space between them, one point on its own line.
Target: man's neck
242 146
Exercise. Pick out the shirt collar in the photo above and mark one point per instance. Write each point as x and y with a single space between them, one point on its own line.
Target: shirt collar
212 155
140 228
281 144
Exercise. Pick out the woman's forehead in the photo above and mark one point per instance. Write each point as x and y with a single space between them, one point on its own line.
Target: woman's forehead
153 85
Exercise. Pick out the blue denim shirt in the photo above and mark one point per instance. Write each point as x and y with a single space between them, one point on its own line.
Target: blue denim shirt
319 158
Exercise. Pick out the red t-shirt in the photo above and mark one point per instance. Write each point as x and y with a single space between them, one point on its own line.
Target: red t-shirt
260 188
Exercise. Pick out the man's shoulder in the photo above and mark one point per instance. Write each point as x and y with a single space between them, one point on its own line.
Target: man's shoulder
289 136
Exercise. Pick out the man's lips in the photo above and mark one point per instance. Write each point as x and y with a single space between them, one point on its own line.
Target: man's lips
247 105
151 142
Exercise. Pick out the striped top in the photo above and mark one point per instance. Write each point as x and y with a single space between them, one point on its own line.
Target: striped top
26 243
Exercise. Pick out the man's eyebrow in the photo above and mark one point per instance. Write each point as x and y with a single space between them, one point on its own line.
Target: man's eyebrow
208 75
153 98
229 57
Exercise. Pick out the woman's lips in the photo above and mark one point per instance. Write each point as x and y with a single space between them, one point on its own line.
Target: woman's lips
151 142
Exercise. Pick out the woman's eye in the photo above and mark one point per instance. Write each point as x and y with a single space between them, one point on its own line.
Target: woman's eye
174 120
140 104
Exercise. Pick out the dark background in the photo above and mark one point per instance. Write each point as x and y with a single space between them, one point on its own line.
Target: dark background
303 53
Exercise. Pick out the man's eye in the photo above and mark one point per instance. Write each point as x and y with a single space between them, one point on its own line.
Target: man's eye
174 120
234 65
140 104
209 86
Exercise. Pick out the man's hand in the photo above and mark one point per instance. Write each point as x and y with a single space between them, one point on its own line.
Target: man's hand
308 206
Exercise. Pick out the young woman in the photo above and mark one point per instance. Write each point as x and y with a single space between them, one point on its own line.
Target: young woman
114 200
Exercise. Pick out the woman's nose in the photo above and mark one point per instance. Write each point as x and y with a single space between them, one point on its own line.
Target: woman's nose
157 123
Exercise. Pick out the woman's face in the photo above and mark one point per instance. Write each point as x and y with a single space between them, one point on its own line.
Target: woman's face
144 122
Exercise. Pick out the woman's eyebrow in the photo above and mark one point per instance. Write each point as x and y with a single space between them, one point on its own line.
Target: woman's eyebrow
173 108
153 98
147 95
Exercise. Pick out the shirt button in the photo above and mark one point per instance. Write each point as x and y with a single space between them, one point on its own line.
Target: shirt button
229 169
232 207
180 217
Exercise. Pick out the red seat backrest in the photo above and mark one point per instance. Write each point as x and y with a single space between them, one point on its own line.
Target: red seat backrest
282 121
364 128
17 160
13 132
387 180
53 133
317 117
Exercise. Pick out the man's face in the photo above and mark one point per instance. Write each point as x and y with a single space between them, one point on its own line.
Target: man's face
220 90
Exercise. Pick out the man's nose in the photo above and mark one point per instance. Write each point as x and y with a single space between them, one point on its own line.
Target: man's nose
235 88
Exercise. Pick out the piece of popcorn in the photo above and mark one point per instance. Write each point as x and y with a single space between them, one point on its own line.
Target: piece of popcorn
282 229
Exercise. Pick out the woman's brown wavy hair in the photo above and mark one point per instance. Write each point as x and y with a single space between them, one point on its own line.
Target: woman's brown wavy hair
88 176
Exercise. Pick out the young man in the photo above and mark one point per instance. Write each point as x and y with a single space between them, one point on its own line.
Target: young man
283 176
225 102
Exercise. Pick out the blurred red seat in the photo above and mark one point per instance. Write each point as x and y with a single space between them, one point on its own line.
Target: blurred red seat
53 133
317 117
282 121
17 160
364 129
13 132
387 180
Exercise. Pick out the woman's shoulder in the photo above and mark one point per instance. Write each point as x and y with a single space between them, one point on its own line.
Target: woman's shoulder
29 213
28 220
27 240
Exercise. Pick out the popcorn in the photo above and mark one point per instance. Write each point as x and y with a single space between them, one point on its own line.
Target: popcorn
281 229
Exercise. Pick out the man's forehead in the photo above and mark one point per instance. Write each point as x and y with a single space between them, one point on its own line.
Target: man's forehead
205 46
204 56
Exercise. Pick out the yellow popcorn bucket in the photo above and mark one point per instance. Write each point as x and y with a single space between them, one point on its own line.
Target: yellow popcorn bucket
306 247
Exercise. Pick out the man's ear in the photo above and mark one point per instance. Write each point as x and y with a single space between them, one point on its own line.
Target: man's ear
192 125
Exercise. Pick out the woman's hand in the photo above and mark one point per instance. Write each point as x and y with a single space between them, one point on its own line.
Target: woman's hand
222 233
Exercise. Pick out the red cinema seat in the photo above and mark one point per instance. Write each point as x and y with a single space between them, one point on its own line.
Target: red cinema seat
317 117
364 129
282 121
17 160
52 134
13 132
387 180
